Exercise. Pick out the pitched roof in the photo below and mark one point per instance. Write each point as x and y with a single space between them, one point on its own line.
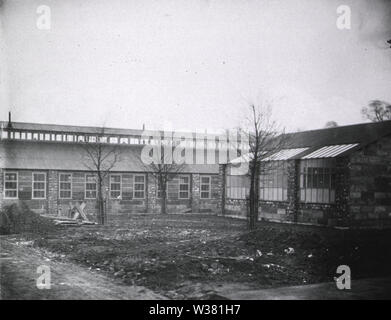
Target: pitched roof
71 156
56 128
324 143
361 134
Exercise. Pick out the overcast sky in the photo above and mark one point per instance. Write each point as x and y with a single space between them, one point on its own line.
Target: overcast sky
192 64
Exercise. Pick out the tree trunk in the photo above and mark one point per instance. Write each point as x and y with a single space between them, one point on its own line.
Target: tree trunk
163 202
101 207
253 201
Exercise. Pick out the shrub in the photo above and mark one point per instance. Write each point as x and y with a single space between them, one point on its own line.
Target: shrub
18 218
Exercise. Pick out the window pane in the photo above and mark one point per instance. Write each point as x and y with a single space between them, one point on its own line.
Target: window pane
90 178
10 185
139 187
91 194
139 194
204 195
10 176
184 179
65 177
183 194
39 194
10 193
205 180
115 179
115 186
139 179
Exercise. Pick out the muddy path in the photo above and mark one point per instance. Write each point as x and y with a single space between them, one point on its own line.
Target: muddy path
18 277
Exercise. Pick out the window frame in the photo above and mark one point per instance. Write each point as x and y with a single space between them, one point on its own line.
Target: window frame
32 185
120 186
59 184
134 186
90 190
188 186
273 181
17 185
209 184
311 183
237 187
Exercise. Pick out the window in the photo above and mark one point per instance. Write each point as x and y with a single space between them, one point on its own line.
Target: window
139 186
273 181
11 185
113 140
237 187
91 139
65 187
39 185
184 187
317 181
103 139
115 186
205 187
124 140
90 187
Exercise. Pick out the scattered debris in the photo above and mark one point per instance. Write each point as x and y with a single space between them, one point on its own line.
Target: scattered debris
289 250
25 243
272 265
218 251
76 216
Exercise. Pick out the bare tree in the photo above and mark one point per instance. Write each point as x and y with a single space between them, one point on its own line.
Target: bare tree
163 170
265 139
100 157
377 110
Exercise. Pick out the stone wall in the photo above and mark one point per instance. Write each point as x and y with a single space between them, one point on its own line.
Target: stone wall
370 184
335 214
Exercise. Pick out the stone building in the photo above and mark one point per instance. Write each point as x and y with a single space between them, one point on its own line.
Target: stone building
334 176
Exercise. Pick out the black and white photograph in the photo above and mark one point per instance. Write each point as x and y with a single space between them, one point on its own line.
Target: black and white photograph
210 152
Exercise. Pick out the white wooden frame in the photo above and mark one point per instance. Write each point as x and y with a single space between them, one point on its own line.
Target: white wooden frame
120 186
17 185
85 187
134 185
32 185
210 187
59 184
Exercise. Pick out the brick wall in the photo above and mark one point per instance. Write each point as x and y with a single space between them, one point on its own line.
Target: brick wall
25 183
126 205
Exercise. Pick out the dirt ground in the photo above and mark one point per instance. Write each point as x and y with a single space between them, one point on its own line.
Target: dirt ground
19 261
191 256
